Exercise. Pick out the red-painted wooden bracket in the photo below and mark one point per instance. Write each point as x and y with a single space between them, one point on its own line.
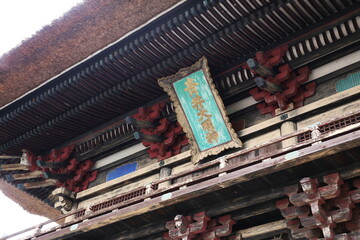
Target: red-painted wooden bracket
198 226
78 174
165 139
283 88
326 212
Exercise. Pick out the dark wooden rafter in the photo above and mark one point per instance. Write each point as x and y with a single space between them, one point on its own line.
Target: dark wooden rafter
232 79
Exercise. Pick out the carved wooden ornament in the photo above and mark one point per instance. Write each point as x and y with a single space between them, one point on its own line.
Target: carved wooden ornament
200 110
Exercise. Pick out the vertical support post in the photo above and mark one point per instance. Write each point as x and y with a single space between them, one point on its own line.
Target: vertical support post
287 128
88 210
148 191
315 134
73 209
223 163
165 172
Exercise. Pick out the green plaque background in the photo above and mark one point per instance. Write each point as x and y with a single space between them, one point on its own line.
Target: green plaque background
209 104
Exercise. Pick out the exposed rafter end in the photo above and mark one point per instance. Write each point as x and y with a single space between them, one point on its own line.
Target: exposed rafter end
13 167
28 175
39 184
8 157
58 176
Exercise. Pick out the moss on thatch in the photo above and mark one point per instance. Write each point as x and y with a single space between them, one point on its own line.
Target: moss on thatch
81 32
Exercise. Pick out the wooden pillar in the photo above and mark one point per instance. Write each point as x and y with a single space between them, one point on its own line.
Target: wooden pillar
73 209
165 172
287 128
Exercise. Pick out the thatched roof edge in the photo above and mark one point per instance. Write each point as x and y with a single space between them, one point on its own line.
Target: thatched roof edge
27 202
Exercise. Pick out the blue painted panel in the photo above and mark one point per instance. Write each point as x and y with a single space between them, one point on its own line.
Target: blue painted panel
121 171
210 109
350 81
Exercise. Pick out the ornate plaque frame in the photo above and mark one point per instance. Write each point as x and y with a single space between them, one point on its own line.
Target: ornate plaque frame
171 86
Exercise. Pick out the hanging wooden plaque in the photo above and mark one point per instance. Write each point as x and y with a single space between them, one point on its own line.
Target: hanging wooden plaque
200 110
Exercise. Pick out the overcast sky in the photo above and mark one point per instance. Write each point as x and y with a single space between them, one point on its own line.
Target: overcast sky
19 20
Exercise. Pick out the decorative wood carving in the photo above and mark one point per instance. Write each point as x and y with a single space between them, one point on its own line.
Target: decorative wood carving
199 226
328 212
63 199
200 110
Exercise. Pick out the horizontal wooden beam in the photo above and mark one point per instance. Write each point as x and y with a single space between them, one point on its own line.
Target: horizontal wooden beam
262 229
268 166
13 167
8 157
39 184
128 177
22 176
123 155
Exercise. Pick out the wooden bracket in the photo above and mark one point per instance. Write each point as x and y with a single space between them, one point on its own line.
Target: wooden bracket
57 176
313 211
198 226
47 164
139 123
259 68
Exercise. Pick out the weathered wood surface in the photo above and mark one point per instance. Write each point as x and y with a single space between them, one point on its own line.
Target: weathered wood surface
28 175
39 184
247 233
262 229
176 160
8 157
219 209
13 167
271 165
146 170
264 199
288 127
